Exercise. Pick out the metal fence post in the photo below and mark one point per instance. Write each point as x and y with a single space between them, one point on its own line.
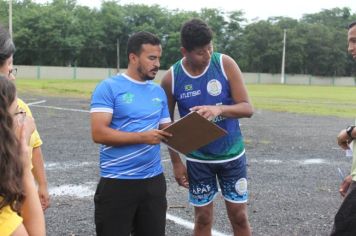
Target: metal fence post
75 72
38 76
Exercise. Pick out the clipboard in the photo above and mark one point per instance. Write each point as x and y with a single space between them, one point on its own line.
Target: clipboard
192 132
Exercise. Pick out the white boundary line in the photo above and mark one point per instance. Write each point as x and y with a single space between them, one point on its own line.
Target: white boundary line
62 109
35 103
189 225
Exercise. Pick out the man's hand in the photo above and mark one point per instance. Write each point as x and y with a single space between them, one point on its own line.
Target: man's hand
343 140
208 112
155 136
180 174
344 186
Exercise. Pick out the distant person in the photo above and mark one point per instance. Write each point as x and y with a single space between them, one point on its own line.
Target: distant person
7 50
211 84
20 208
127 113
345 218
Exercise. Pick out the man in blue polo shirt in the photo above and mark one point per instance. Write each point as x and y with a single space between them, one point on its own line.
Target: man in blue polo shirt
127 113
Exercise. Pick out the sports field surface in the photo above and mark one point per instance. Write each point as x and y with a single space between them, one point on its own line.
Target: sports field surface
292 161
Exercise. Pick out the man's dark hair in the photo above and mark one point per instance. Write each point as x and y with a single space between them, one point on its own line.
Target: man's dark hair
351 25
7 47
135 42
195 33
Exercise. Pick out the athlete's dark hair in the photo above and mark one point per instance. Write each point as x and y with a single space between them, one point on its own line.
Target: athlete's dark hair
195 33
11 169
7 47
351 25
135 42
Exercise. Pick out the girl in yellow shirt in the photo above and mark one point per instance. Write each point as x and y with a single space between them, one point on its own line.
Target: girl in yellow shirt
20 207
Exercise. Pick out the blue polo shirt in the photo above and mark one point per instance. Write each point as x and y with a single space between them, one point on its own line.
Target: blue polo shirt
135 107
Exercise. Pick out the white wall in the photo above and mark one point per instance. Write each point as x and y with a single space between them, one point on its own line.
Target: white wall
55 72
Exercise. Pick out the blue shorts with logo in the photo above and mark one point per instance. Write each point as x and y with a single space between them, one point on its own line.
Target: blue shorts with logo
232 177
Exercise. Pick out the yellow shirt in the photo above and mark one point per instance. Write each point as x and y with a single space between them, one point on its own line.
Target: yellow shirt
9 221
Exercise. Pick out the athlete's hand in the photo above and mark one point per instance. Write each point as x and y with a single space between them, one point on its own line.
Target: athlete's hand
344 186
343 140
208 112
180 174
155 136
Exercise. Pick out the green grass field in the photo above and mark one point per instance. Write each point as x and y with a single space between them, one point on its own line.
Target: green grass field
57 87
313 100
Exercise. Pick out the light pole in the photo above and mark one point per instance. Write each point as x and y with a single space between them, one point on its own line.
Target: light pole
283 56
10 17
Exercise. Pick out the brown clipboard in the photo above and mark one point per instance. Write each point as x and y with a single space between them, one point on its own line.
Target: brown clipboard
192 132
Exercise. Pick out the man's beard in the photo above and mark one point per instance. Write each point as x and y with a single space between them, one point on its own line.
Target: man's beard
145 76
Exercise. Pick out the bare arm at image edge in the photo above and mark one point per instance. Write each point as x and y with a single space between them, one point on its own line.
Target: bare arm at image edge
40 176
179 169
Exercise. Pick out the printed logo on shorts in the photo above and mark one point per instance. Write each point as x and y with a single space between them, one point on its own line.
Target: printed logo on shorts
214 87
197 190
241 186
128 98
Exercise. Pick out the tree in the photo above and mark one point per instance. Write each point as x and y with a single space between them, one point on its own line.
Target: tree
263 47
62 33
232 40
333 18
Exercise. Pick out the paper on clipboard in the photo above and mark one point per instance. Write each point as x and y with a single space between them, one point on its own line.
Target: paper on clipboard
192 132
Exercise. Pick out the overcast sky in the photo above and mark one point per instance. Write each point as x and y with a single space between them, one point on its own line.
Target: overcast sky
261 9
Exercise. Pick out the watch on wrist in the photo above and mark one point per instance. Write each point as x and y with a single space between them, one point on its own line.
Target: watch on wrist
349 131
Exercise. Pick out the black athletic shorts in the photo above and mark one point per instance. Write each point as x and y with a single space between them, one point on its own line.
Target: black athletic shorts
136 207
345 218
